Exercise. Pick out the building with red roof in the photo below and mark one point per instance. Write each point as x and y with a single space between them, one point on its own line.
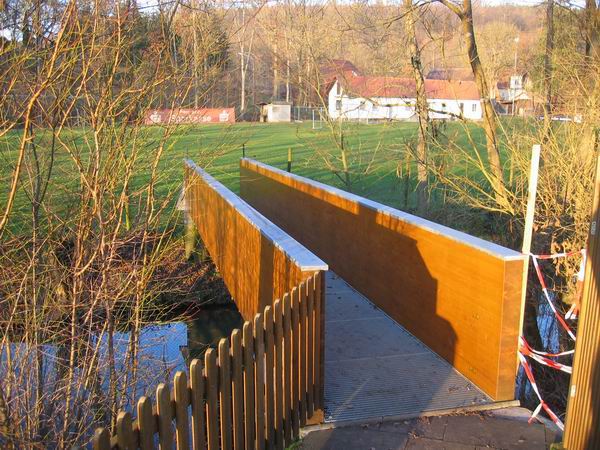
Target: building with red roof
339 68
393 98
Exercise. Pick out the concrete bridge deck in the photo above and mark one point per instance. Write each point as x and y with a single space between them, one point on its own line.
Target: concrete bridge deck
374 368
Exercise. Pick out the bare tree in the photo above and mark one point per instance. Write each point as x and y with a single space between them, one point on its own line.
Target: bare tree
421 107
465 14
548 54
87 223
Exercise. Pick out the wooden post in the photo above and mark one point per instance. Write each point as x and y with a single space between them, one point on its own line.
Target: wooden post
198 409
528 228
125 437
289 161
582 428
295 362
287 368
269 378
182 401
237 391
532 193
101 439
225 394
191 233
146 423
303 353
249 403
278 320
243 150
212 399
310 354
164 412
259 380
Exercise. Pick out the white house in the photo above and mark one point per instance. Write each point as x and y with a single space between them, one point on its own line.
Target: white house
388 98
514 97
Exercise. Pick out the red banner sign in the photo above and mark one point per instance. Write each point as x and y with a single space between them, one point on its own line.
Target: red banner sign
189 116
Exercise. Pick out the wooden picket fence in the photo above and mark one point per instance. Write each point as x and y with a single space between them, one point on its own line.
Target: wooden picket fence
256 391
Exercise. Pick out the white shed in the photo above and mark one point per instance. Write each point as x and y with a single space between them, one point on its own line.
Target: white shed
276 112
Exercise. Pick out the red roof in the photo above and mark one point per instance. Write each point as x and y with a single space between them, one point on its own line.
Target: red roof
391 87
461 90
337 67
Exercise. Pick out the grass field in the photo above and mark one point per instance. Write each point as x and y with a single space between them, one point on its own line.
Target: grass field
374 154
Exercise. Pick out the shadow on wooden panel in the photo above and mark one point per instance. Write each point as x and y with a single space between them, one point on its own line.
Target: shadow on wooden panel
265 272
410 293
418 297
456 293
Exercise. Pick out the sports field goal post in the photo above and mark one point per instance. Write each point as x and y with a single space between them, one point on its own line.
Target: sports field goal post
314 115
317 118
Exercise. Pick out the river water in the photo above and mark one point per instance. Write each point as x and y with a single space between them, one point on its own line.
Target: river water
165 348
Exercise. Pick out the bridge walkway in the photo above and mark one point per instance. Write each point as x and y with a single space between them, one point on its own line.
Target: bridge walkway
374 368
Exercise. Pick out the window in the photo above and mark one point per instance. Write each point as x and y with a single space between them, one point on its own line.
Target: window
474 107
338 105
338 88
516 82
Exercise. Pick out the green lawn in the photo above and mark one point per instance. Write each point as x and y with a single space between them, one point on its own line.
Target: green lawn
374 153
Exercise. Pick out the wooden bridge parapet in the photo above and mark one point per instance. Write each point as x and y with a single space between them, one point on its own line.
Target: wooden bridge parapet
458 294
258 261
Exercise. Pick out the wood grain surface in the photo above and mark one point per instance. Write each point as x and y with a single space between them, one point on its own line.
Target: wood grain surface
458 294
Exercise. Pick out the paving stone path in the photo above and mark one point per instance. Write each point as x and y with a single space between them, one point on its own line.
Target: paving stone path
458 432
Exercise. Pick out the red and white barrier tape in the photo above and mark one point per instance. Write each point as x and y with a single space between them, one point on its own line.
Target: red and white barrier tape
559 255
542 404
552 355
560 318
543 358
573 312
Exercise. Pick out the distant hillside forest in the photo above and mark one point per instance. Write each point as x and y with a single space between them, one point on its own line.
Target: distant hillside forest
242 54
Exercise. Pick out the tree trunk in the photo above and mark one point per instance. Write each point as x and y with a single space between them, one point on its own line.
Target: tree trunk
243 67
421 108
548 66
591 28
195 59
489 115
287 81
242 82
589 145
275 75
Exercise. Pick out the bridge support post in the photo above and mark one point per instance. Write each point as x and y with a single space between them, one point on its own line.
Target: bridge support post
191 237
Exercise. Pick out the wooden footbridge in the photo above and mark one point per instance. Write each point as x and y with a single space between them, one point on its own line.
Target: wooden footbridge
354 312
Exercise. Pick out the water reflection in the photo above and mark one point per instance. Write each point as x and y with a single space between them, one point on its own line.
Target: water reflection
162 349
207 329
168 347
